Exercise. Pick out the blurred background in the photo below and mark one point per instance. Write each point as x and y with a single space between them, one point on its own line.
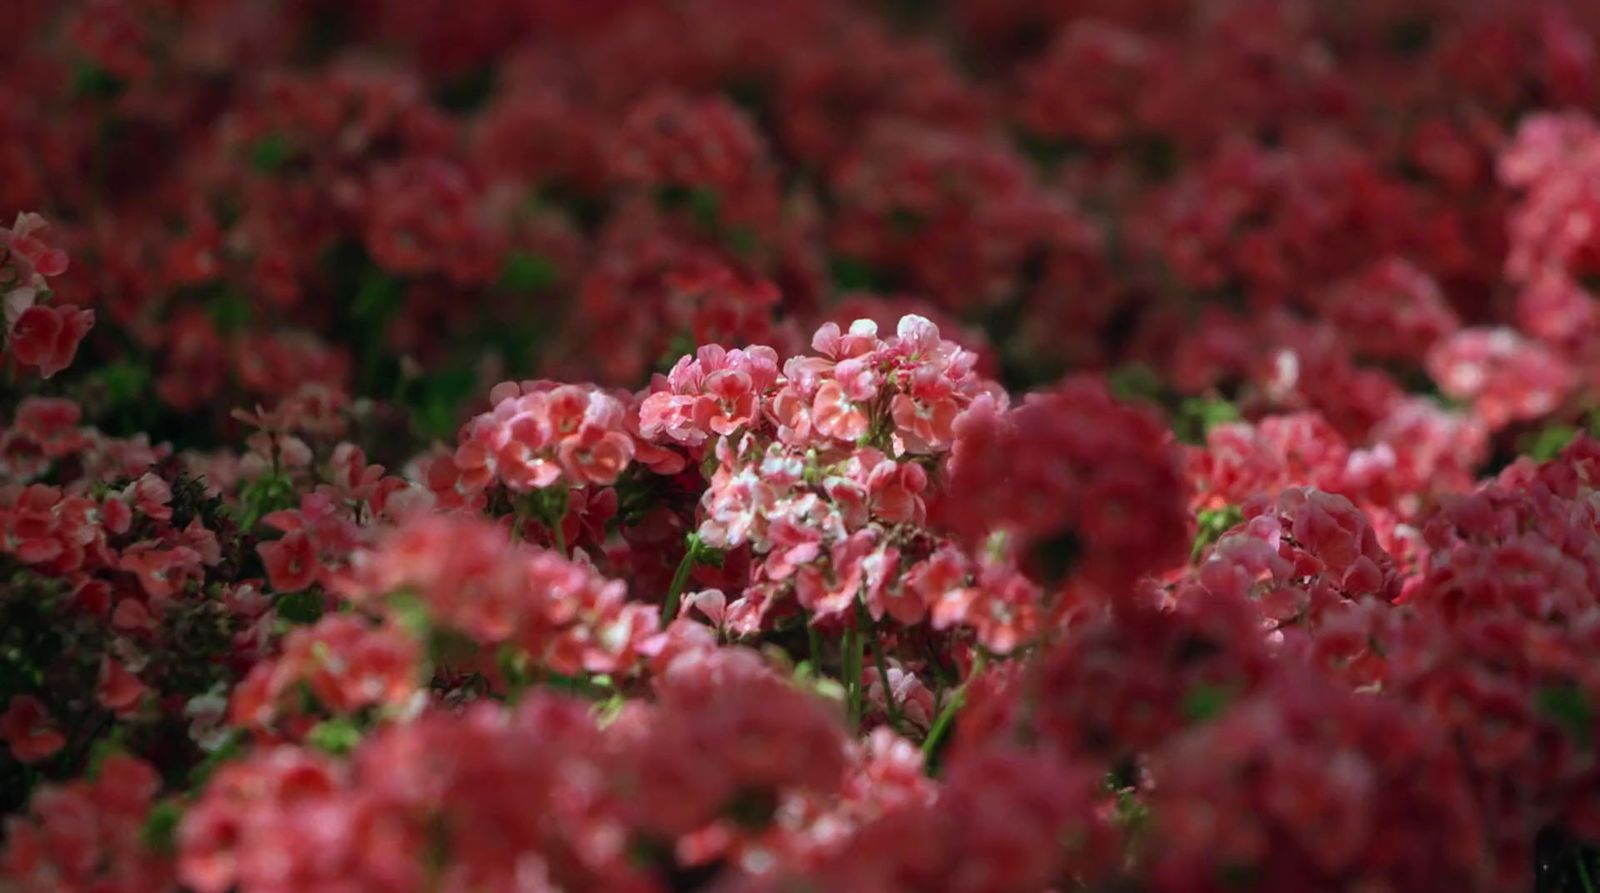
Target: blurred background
1231 206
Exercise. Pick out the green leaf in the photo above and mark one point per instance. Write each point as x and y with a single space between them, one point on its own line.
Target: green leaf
1131 813
337 736
528 272
706 206
125 382
90 81
1198 415
263 496
379 297
229 748
516 666
681 345
411 613
1205 702
436 401
1157 155
467 92
1212 524
1056 557
160 830
1548 442
303 608
703 204
743 241
1134 382
1046 153
1410 35
709 555
1236 876
102 750
903 222
850 274
605 712
230 311
751 808
270 153
1568 705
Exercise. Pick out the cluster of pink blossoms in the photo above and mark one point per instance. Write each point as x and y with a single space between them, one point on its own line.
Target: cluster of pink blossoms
821 470
540 434
536 797
561 614
44 336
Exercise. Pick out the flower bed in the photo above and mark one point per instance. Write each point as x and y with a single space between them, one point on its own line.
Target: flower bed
987 446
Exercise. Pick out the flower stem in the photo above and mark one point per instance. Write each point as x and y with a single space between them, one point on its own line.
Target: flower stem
691 553
550 507
852 671
518 521
941 725
882 664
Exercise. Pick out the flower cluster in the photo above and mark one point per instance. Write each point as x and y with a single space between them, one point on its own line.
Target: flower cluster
540 435
538 796
559 613
823 471
39 335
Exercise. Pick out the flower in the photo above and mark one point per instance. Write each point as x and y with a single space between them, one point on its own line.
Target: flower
47 337
26 728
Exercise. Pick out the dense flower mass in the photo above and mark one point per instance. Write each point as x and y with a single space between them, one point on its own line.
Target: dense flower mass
974 446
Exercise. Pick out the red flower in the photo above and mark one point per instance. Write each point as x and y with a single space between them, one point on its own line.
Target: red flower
26 728
119 690
291 562
47 337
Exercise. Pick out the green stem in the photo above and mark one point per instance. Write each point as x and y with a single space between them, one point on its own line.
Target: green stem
852 671
882 663
669 609
518 520
941 725
1583 870
549 506
102 152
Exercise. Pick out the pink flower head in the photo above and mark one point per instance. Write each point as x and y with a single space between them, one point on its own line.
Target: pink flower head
119 690
47 336
291 562
535 437
1506 376
714 393
27 730
27 252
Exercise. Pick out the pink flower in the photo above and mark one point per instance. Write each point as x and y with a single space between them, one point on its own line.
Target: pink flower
426 216
151 496
31 253
536 436
1506 376
716 392
836 416
119 690
27 730
47 337
162 572
1073 464
342 661
291 562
